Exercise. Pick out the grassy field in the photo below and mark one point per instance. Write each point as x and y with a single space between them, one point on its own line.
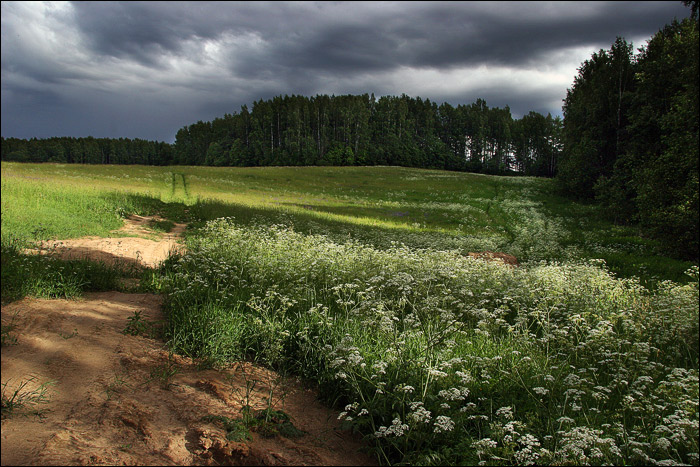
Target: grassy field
375 205
357 279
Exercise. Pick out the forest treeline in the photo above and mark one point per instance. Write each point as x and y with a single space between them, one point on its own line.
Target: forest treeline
363 130
87 150
628 139
631 134
334 130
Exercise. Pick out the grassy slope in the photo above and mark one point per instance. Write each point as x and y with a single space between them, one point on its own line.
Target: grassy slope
375 205
436 357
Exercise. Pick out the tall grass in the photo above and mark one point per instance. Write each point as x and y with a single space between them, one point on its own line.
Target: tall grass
440 358
47 277
40 205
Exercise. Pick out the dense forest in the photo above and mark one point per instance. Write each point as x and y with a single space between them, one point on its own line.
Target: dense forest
628 139
363 130
334 130
631 134
87 150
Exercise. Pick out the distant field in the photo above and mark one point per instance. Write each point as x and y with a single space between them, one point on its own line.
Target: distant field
375 205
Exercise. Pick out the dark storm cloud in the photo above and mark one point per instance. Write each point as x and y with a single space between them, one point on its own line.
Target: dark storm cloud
346 39
145 31
156 64
516 34
342 48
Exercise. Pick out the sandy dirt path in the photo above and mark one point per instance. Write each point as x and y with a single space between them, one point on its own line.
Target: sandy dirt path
121 399
131 250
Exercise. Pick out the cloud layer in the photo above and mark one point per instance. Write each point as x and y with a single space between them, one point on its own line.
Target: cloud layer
145 69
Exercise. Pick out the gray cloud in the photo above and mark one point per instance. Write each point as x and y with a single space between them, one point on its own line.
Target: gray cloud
344 37
144 69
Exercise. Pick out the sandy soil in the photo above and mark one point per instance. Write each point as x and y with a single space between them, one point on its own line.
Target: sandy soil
130 250
119 399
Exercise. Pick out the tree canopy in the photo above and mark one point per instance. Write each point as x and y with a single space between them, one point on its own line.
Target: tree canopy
334 130
363 130
631 134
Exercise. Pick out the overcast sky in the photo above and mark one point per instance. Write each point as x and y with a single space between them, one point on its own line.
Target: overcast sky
146 69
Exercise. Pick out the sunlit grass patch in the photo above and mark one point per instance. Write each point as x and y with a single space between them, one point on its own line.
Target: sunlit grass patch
42 211
521 216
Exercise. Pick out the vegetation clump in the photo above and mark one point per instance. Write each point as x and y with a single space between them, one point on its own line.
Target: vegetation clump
25 395
441 358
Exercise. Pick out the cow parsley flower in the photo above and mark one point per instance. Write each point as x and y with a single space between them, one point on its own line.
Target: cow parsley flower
438 373
419 413
505 412
396 429
452 394
443 423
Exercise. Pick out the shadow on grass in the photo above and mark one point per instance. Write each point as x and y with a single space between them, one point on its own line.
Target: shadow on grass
145 205
380 230
313 219
378 227
45 276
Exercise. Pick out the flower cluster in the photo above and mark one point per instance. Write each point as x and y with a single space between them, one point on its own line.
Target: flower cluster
549 363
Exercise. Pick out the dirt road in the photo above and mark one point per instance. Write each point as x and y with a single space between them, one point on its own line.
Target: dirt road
122 399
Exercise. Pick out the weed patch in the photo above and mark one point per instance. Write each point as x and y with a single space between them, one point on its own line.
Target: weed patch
114 387
6 334
236 430
161 225
44 276
139 326
437 357
25 396
268 423
164 372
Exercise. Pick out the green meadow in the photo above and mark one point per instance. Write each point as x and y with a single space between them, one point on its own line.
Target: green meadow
377 205
358 280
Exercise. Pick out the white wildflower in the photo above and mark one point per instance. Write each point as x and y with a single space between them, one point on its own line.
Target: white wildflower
438 373
465 376
396 429
337 362
469 407
443 423
505 412
380 367
419 413
483 444
452 394
351 407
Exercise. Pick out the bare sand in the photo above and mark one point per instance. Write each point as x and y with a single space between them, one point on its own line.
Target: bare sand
119 399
